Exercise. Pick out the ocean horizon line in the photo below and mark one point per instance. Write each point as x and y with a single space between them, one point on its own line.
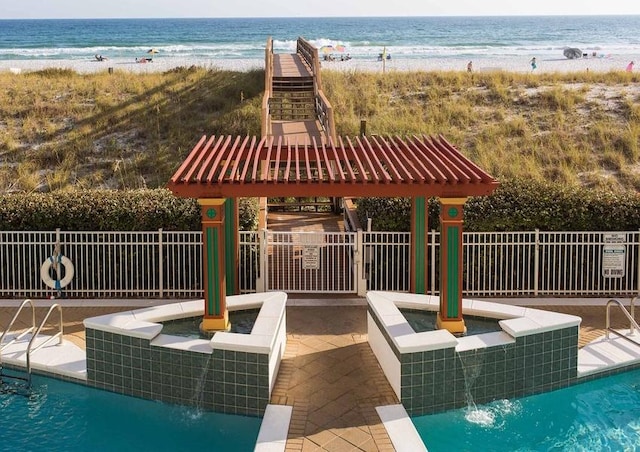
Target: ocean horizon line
461 16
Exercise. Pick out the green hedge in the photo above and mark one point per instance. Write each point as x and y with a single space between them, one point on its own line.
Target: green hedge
108 210
515 206
520 206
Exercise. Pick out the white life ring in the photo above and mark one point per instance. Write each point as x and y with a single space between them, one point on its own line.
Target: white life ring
57 283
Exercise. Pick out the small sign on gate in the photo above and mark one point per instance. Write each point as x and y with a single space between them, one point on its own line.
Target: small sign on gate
310 257
614 255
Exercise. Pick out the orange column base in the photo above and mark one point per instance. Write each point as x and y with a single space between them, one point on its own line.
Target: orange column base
213 324
455 326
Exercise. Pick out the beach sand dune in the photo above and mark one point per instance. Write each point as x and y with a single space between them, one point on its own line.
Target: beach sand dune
510 64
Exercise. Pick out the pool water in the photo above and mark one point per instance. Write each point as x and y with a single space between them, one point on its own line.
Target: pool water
601 415
241 322
422 321
62 416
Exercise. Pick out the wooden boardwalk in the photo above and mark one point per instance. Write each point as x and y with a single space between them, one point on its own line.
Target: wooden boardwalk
290 65
298 132
294 118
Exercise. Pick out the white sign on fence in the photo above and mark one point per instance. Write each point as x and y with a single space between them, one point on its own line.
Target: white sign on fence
614 255
311 257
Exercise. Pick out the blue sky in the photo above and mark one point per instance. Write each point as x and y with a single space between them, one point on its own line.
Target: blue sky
23 9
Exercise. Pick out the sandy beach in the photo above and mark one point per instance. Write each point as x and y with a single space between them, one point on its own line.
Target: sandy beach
511 64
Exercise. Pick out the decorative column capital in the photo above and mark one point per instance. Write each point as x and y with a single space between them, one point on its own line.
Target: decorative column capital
212 210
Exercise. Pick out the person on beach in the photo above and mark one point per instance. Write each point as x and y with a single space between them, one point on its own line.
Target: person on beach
100 58
630 67
534 64
470 66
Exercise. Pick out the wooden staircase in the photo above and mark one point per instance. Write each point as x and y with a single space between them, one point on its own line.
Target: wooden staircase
293 99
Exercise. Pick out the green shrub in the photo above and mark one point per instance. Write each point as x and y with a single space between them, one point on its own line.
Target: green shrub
109 210
519 205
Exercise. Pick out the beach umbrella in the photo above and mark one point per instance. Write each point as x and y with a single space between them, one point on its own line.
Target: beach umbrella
327 49
152 51
572 53
340 48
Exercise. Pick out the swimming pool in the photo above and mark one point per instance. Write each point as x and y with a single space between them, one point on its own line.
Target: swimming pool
602 414
62 416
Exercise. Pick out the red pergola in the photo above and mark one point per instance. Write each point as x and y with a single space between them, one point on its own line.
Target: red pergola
228 167
225 167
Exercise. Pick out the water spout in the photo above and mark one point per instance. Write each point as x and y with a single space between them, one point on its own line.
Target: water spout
472 363
198 393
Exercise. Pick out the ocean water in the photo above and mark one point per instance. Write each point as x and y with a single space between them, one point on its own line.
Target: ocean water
363 38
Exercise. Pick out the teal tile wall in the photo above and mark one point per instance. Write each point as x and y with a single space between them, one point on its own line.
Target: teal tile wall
435 381
441 380
229 382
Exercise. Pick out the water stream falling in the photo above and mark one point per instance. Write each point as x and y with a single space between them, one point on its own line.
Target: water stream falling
472 364
198 393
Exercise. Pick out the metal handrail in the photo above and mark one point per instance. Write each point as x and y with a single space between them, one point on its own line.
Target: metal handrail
13 320
630 316
33 338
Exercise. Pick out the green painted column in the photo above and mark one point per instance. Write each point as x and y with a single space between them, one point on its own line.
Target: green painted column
231 245
419 242
216 315
451 259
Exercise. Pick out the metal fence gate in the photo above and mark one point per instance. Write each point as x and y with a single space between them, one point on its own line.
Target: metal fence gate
310 262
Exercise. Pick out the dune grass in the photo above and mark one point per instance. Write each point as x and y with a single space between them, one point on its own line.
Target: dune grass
60 130
578 128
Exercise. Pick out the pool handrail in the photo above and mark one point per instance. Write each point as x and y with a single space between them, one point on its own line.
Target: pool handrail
633 325
58 335
13 320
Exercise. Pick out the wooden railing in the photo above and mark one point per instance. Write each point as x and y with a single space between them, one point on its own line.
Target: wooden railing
351 221
310 56
324 110
268 77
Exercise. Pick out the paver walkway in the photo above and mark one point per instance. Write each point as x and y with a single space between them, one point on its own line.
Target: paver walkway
333 381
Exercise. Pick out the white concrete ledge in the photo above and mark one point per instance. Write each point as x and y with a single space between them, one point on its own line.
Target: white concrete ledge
145 323
604 354
401 431
182 343
537 321
274 429
124 323
426 341
251 343
515 322
480 341
65 359
264 333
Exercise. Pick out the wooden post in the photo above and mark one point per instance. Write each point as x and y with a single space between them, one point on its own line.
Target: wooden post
363 127
419 244
451 265
216 316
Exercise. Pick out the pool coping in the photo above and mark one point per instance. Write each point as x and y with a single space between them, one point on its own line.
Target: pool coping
400 428
274 429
